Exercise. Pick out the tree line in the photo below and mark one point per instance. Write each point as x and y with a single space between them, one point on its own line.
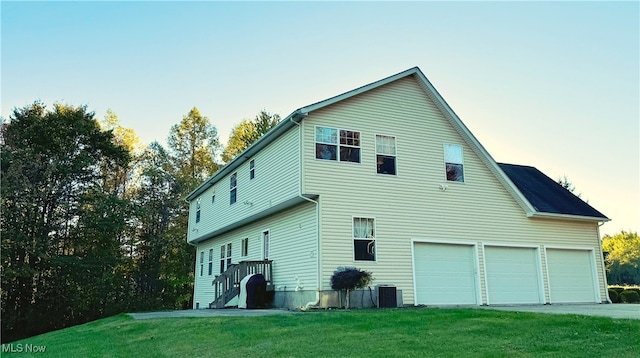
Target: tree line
93 223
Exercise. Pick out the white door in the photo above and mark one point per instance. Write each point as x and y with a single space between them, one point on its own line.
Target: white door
571 276
444 274
512 275
266 242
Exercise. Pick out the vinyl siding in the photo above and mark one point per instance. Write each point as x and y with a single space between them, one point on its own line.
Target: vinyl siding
293 250
411 204
276 180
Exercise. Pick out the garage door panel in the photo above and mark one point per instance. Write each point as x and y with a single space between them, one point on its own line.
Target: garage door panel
444 274
512 275
571 277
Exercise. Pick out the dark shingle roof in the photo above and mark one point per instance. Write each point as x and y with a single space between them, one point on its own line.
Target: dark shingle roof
545 194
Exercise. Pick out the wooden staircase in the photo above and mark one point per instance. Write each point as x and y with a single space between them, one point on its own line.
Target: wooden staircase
227 284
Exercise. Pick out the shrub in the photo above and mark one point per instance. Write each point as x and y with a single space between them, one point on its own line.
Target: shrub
637 289
350 279
614 296
617 289
630 296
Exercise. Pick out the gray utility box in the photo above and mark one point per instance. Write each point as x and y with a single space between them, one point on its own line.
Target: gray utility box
387 296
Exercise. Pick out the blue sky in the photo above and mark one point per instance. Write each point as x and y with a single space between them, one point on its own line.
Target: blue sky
554 85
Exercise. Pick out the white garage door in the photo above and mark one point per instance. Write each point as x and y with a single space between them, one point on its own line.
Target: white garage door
512 275
445 274
571 277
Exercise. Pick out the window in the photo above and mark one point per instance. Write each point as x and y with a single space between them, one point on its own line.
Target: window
210 262
345 148
213 196
252 169
233 188
225 257
364 243
349 146
197 211
201 262
265 244
245 246
386 154
453 161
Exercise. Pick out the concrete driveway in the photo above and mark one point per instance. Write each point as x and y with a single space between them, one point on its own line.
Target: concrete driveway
620 310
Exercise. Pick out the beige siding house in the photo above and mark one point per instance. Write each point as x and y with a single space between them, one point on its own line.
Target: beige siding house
387 178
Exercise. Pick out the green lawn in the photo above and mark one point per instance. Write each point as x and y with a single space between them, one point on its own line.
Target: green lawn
414 332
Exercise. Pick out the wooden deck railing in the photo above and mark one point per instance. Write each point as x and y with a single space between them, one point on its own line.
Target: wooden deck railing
227 284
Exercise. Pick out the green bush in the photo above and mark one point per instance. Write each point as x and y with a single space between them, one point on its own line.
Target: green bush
637 289
630 296
614 296
617 289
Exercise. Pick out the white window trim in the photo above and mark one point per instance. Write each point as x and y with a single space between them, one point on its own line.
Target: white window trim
231 189
202 263
444 163
375 237
198 211
375 149
244 253
336 144
252 169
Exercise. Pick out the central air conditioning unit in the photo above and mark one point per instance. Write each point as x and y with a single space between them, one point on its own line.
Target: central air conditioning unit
387 297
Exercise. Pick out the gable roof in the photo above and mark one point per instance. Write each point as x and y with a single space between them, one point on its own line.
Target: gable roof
299 114
547 196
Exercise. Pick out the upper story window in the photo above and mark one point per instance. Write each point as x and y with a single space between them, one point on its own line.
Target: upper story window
233 188
386 154
198 211
252 169
364 239
454 163
337 144
213 196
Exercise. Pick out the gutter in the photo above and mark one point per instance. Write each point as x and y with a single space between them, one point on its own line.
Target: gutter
545 215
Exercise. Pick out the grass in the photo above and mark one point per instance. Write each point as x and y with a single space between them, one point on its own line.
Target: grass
416 332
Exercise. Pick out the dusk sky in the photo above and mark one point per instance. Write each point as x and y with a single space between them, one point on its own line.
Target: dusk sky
555 85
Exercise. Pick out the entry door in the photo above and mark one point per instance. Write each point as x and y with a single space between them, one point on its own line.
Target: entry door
266 238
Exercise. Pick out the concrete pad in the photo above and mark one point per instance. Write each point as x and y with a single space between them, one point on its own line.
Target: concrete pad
620 310
227 312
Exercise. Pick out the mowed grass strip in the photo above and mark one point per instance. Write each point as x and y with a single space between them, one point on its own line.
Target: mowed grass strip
415 332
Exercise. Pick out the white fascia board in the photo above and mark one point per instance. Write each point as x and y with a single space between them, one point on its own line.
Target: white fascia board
359 90
542 215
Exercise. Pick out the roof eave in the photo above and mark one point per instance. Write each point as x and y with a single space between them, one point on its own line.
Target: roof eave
294 118
544 215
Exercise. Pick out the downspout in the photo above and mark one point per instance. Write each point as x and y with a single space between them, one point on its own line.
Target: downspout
604 270
317 204
195 267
